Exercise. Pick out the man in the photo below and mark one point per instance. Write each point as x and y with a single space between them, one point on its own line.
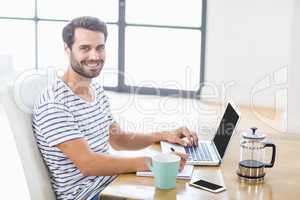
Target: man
74 126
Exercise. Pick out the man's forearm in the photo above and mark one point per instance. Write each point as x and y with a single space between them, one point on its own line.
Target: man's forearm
91 163
106 165
135 141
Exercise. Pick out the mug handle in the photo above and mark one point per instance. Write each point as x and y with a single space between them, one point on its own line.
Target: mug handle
148 161
270 144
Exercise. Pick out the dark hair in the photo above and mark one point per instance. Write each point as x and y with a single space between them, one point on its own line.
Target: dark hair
87 22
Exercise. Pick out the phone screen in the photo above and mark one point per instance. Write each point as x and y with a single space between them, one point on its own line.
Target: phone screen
206 184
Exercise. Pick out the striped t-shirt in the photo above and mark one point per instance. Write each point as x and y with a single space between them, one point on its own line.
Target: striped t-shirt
59 116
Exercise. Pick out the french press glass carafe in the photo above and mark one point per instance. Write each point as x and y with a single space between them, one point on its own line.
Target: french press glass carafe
252 156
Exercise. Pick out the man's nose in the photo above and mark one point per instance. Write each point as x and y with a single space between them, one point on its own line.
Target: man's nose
94 54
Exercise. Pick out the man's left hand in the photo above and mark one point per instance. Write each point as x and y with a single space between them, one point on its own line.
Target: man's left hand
177 137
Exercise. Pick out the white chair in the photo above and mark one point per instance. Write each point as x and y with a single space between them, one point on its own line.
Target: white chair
18 99
6 69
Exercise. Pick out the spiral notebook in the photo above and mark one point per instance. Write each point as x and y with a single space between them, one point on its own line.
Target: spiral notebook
186 173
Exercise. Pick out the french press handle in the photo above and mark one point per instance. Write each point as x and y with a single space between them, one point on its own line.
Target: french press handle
270 144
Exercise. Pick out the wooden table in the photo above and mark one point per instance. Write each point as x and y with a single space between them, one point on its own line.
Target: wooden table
281 182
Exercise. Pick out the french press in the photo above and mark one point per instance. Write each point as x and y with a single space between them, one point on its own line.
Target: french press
252 156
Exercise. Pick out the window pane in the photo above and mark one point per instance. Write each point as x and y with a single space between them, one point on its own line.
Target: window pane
17 8
106 10
51 49
166 12
50 45
161 57
17 39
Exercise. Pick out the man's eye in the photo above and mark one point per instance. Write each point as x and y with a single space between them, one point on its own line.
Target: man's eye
84 48
100 48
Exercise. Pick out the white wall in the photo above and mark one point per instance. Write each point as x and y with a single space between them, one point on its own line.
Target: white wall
294 73
247 41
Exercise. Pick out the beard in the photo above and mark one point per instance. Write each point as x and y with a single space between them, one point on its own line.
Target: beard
82 68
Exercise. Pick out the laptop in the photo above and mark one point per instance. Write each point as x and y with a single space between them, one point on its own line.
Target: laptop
210 152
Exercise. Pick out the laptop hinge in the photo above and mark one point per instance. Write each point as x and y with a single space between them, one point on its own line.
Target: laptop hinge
217 153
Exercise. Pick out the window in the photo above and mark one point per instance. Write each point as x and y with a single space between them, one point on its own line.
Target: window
167 12
8 8
164 46
166 63
106 10
51 51
17 39
153 47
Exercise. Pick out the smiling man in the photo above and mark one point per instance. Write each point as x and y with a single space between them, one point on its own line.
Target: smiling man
74 126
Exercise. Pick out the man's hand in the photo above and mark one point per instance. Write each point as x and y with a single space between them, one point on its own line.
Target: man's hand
183 158
177 137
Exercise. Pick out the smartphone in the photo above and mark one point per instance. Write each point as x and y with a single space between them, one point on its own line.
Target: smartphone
205 185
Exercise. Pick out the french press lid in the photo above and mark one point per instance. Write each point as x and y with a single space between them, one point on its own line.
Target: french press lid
253 134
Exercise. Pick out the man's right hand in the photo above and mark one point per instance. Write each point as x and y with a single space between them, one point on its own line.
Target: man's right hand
183 159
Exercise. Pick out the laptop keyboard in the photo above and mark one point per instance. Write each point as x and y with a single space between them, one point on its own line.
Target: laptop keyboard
200 153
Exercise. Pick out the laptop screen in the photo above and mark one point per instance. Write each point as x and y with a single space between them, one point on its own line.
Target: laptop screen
225 130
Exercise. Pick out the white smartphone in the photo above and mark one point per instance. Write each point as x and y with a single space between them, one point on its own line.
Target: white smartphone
205 185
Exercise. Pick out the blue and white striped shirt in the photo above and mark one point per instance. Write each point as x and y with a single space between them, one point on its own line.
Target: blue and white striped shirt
59 116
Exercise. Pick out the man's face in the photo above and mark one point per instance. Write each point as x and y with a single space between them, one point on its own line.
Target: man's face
87 55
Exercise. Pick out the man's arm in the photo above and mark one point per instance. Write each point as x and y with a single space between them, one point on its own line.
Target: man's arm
121 140
96 164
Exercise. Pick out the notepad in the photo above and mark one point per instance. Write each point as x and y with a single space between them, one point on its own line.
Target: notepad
186 173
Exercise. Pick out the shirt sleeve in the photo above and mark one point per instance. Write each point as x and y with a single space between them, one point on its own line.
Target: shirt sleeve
58 125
